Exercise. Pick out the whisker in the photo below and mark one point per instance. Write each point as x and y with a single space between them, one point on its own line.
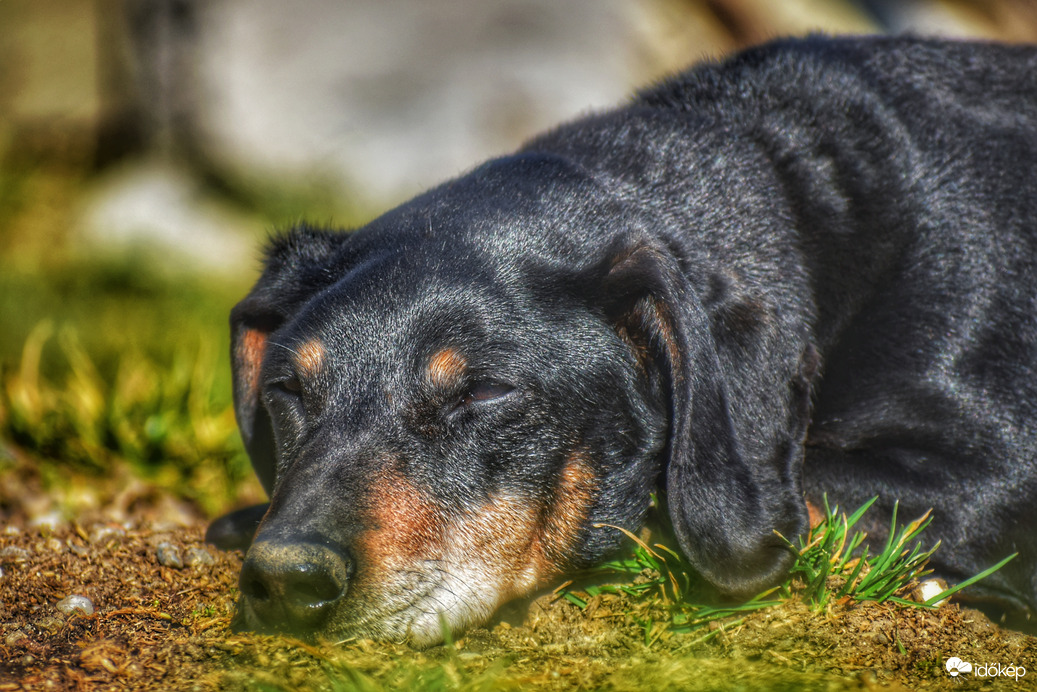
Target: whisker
285 347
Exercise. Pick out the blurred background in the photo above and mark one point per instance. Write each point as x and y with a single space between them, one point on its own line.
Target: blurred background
148 146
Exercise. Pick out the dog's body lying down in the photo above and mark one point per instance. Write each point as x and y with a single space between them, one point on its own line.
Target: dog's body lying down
809 269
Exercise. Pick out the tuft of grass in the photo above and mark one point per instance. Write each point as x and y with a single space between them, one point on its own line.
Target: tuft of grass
832 564
167 421
662 578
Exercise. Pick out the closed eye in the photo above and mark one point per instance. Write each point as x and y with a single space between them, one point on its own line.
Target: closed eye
484 391
289 385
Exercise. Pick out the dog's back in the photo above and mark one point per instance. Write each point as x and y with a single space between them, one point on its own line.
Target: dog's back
880 195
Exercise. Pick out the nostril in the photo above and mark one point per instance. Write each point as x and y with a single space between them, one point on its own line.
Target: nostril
254 589
312 586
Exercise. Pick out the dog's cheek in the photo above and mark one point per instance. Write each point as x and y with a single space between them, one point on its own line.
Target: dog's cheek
513 545
564 523
492 549
405 529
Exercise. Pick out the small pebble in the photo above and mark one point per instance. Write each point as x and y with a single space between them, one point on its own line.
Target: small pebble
50 625
70 604
105 533
48 523
55 546
169 555
198 557
14 554
15 637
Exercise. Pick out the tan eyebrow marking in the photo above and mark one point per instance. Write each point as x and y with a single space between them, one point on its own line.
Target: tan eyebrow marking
309 357
446 367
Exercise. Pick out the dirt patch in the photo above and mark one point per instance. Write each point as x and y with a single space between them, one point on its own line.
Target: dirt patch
163 603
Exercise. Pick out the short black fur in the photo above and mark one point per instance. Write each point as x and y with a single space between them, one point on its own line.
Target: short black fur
808 269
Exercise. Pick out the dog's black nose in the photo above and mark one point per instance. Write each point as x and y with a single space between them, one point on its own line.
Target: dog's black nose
292 586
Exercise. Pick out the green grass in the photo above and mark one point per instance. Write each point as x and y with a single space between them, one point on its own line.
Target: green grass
662 579
829 565
832 563
120 366
167 421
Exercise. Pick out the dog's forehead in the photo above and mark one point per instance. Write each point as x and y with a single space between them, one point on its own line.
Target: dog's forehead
470 262
402 308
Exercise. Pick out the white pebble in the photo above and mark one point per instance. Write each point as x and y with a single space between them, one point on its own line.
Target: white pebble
930 588
70 604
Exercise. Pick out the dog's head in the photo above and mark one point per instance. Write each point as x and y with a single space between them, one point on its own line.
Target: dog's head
458 403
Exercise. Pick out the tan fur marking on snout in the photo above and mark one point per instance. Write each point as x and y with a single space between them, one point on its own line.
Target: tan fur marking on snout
516 545
309 357
446 367
402 526
494 546
567 514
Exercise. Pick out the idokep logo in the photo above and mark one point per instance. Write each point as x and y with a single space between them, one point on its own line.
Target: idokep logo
955 667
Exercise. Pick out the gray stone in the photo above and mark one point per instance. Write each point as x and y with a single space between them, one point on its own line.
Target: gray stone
12 554
198 557
169 555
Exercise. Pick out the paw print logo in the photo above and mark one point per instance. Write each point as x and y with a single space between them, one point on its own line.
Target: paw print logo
955 666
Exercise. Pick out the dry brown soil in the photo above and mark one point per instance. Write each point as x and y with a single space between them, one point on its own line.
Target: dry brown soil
161 626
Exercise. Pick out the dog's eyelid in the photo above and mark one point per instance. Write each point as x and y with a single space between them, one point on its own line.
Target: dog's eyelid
485 390
289 385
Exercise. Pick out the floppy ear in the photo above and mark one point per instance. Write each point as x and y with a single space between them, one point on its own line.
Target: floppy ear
725 503
295 269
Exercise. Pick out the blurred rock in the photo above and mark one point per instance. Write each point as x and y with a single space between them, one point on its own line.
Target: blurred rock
161 208
168 555
386 97
75 603
198 557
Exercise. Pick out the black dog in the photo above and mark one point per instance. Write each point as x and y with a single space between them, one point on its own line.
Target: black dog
809 269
